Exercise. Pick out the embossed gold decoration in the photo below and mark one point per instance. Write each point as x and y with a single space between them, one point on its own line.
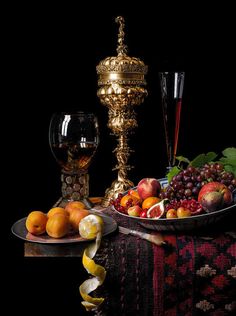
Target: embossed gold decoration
121 84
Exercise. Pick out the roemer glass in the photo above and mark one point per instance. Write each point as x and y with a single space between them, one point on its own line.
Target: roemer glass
172 85
74 138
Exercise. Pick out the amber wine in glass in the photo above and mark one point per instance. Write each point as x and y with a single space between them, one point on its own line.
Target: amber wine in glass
74 138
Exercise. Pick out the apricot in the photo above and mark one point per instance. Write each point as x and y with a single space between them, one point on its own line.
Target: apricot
36 222
72 205
75 217
58 225
57 210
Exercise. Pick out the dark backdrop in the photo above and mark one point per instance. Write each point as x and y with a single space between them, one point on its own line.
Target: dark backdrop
50 58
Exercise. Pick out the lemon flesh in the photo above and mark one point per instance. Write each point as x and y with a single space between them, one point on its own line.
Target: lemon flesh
90 225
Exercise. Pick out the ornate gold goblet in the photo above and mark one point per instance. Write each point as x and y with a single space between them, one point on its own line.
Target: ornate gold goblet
121 86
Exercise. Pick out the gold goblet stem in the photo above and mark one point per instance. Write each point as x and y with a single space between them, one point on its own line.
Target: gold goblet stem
122 183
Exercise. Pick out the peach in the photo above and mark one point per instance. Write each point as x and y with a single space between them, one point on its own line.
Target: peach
56 210
72 205
148 187
58 225
75 217
36 222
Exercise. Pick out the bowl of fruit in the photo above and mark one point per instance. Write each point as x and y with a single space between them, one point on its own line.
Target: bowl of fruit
193 198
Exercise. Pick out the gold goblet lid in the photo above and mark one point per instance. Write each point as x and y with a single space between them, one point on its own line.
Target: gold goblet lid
122 69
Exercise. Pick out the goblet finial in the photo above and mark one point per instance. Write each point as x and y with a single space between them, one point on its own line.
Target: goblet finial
121 48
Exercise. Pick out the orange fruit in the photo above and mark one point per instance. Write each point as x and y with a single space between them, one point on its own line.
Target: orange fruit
150 201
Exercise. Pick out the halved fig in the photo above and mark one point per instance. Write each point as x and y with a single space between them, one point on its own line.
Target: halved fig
157 210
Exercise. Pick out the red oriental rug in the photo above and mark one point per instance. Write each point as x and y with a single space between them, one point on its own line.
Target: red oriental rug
191 275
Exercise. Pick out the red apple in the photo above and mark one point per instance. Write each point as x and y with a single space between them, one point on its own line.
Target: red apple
148 187
214 196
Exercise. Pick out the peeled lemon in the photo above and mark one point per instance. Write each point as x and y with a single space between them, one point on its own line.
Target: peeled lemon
90 225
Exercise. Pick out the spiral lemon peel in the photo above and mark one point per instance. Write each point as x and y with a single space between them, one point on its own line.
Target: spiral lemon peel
99 273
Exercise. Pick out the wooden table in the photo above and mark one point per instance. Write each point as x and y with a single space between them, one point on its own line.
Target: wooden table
42 250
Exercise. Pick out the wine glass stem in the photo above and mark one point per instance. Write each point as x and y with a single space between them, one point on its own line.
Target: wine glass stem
75 186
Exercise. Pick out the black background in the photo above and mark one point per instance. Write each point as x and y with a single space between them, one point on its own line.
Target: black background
50 57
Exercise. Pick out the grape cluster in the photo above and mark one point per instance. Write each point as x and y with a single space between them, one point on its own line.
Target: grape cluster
188 182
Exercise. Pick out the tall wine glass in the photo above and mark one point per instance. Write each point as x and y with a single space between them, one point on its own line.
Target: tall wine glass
74 138
172 85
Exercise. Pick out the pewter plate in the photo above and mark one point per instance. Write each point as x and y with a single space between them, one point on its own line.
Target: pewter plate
20 231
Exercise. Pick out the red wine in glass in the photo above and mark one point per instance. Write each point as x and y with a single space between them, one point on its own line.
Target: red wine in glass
172 84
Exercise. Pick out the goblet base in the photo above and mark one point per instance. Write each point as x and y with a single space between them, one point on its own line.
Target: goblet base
117 187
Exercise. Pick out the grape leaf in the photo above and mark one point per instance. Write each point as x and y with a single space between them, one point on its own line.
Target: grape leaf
228 161
182 159
201 159
228 168
173 172
230 153
230 156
